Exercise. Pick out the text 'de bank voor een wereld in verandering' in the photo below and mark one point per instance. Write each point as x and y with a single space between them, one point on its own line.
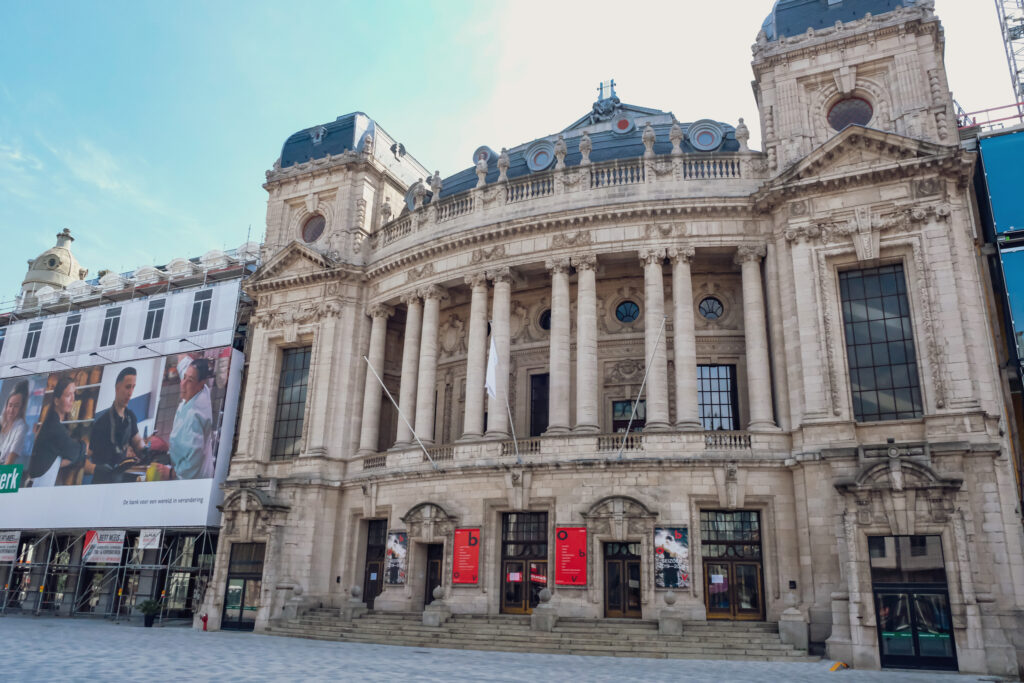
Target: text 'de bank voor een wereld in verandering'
163 501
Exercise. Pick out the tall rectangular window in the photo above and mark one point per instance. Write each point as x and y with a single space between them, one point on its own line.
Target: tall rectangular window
291 403
110 324
880 344
67 344
154 319
32 340
717 397
538 404
201 311
623 410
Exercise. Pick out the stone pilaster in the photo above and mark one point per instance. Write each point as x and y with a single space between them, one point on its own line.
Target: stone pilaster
654 348
559 367
501 311
586 344
759 381
369 431
410 367
684 339
476 357
427 381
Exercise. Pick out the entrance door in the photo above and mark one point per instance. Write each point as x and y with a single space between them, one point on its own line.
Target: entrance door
733 580
245 583
373 569
908 578
622 580
538 404
524 566
435 554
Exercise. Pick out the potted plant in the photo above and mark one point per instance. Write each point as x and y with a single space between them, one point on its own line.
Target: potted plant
149 609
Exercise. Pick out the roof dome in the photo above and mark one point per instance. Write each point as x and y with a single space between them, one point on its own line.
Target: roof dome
56 267
793 17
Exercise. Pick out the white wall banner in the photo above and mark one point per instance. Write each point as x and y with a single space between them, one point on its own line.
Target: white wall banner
149 539
143 443
103 547
9 541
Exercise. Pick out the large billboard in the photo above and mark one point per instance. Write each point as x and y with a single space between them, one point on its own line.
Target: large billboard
143 443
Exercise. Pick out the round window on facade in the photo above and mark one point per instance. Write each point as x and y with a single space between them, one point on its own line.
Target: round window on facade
711 308
313 228
545 320
852 110
627 312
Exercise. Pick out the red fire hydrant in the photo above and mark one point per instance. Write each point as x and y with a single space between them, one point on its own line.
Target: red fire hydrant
204 618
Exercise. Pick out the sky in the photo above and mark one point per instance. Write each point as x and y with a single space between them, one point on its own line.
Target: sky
146 127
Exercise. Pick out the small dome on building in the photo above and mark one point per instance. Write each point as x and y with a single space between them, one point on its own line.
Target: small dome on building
793 17
56 267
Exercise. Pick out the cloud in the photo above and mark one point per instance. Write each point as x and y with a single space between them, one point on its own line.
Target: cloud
91 164
14 157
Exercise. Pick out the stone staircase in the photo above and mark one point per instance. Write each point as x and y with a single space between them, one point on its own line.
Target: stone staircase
722 640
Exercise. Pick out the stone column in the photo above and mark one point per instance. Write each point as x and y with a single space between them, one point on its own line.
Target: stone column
476 357
410 367
684 340
558 364
501 311
759 381
369 431
586 344
427 381
654 349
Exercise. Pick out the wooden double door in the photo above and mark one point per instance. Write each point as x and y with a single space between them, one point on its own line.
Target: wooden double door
732 566
622 580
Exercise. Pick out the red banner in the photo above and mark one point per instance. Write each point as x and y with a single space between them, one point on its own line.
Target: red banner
571 556
466 556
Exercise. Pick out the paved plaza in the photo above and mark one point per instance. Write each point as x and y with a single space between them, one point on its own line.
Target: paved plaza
51 649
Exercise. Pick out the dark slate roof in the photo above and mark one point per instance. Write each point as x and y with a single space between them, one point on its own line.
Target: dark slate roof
793 17
606 145
341 135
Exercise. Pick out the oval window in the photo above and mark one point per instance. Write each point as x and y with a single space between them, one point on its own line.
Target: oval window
545 320
711 308
852 110
627 312
313 228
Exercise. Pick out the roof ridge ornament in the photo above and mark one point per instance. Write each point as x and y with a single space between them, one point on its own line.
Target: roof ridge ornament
608 103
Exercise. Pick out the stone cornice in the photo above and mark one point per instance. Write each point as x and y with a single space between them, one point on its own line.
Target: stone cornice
335 274
501 231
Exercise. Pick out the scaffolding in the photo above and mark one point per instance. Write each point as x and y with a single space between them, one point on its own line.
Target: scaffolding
1011 24
48 575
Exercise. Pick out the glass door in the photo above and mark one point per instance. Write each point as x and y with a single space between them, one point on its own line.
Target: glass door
622 580
435 553
373 568
717 580
245 582
524 566
733 581
915 630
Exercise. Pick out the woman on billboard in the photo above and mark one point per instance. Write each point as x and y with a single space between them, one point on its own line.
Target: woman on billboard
54 448
12 425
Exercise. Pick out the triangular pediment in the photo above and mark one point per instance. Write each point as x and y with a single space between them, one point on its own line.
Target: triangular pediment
857 149
295 261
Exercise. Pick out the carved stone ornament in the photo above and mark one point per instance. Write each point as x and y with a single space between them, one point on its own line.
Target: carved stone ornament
648 139
312 202
675 135
925 494
280 318
503 163
651 255
432 292
577 239
585 262
250 513
557 265
485 254
658 230
585 146
502 274
625 517
452 336
380 311
429 521
560 151
626 371
477 280
750 252
681 254
419 272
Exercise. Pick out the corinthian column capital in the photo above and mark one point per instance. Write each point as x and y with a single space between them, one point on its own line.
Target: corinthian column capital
750 252
381 311
681 254
585 262
502 274
410 298
650 256
558 265
431 292
477 280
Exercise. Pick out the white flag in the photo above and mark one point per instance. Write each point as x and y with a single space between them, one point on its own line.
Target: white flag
491 383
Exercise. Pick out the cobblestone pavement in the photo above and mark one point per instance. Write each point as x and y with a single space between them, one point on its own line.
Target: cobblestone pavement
52 649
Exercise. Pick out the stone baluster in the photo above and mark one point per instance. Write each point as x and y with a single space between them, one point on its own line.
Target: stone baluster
476 357
410 367
586 344
369 432
426 383
559 368
654 349
684 339
501 311
759 381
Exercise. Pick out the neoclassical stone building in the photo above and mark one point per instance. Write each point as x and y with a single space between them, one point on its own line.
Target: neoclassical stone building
818 436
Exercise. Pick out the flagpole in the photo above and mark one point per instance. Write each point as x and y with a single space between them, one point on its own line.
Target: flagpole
400 414
489 385
647 370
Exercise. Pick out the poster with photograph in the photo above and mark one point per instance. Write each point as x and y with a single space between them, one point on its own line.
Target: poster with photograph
671 557
137 443
396 558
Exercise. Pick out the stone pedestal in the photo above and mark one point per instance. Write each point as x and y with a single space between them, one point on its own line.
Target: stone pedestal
437 612
544 616
355 607
670 619
293 607
793 628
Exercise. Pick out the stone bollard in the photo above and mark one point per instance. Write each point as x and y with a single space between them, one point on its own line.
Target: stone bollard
670 621
437 612
355 607
544 615
793 629
293 607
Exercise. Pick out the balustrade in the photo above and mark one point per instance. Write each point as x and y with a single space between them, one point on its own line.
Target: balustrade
529 189
726 441
617 173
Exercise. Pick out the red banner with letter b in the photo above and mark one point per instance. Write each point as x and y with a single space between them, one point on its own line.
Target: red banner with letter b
571 556
466 556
